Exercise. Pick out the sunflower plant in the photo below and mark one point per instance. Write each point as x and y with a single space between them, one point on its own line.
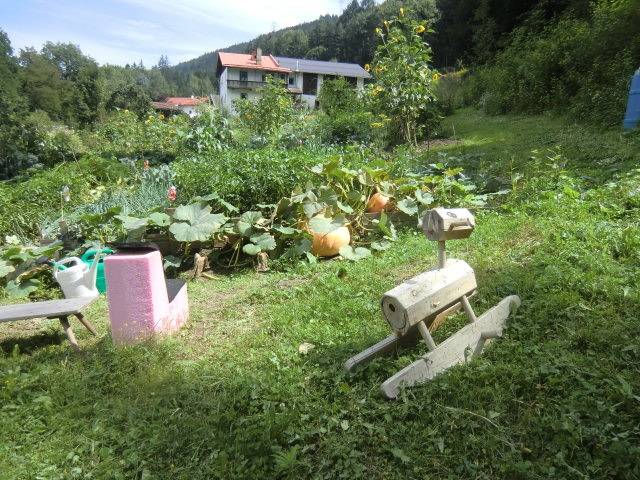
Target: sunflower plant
404 79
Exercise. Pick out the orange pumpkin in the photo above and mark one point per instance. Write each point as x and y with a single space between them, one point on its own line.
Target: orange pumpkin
329 244
377 203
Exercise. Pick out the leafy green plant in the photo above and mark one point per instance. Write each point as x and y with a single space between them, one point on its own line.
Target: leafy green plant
209 132
338 96
267 115
401 66
245 177
577 64
21 264
195 223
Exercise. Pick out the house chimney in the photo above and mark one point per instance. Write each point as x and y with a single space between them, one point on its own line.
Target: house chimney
259 56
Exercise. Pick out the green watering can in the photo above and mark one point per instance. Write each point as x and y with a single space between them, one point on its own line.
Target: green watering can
101 281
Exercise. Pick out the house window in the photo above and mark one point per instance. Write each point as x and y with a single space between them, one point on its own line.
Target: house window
243 96
309 83
283 77
292 81
352 80
244 76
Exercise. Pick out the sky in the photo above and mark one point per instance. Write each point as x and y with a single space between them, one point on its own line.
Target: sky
126 31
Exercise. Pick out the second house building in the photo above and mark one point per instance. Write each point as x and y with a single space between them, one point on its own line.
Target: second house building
242 75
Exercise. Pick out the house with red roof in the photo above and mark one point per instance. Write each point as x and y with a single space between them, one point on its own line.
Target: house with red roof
188 105
243 75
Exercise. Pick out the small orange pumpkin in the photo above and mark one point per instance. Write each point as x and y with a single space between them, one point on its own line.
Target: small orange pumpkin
329 244
377 203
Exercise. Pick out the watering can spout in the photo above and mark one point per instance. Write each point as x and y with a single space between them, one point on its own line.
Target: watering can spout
91 276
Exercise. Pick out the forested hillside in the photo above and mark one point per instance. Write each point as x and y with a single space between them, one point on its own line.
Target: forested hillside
572 56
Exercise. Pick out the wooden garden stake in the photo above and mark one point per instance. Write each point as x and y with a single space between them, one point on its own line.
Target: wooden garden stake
262 264
427 299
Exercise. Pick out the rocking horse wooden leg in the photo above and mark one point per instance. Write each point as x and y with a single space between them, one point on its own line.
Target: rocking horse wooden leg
384 347
390 344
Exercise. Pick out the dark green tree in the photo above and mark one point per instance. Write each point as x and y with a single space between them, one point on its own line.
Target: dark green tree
130 97
42 85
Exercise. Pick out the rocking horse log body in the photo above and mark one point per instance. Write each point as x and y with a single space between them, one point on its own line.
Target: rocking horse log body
427 294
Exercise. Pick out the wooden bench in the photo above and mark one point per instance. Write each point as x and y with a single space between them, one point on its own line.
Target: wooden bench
60 309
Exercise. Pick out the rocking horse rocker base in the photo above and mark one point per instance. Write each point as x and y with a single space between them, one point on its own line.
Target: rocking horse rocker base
428 299
463 345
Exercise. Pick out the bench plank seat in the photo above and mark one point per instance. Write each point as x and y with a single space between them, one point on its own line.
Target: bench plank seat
60 309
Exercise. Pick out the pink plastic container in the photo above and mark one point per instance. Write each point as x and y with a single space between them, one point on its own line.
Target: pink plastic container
141 302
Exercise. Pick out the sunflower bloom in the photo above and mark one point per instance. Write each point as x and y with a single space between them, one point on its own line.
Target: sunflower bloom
420 29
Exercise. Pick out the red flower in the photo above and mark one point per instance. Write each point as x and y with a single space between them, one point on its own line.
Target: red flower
172 193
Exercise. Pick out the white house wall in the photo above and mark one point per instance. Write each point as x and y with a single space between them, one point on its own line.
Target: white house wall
223 88
228 95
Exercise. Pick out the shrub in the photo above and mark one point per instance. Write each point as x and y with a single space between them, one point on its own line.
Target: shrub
576 65
338 96
60 144
130 97
245 178
269 113
157 139
449 90
346 127
210 131
25 203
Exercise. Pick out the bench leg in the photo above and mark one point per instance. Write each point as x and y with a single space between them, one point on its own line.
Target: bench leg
64 321
86 323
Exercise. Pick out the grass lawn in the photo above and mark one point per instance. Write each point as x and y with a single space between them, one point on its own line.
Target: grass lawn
230 396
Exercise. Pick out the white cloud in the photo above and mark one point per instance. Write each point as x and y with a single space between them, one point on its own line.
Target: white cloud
123 31
251 16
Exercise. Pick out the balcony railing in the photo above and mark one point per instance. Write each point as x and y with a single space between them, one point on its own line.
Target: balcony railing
245 84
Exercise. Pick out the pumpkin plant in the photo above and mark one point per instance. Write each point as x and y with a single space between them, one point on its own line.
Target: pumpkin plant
20 265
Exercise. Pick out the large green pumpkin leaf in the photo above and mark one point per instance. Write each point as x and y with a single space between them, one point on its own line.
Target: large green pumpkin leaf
301 247
285 230
199 223
160 219
311 208
408 205
48 250
185 232
251 249
132 223
425 198
247 221
22 289
5 268
356 254
325 225
265 241
192 213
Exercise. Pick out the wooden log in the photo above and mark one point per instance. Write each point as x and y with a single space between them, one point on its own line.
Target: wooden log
440 224
454 350
262 262
427 294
